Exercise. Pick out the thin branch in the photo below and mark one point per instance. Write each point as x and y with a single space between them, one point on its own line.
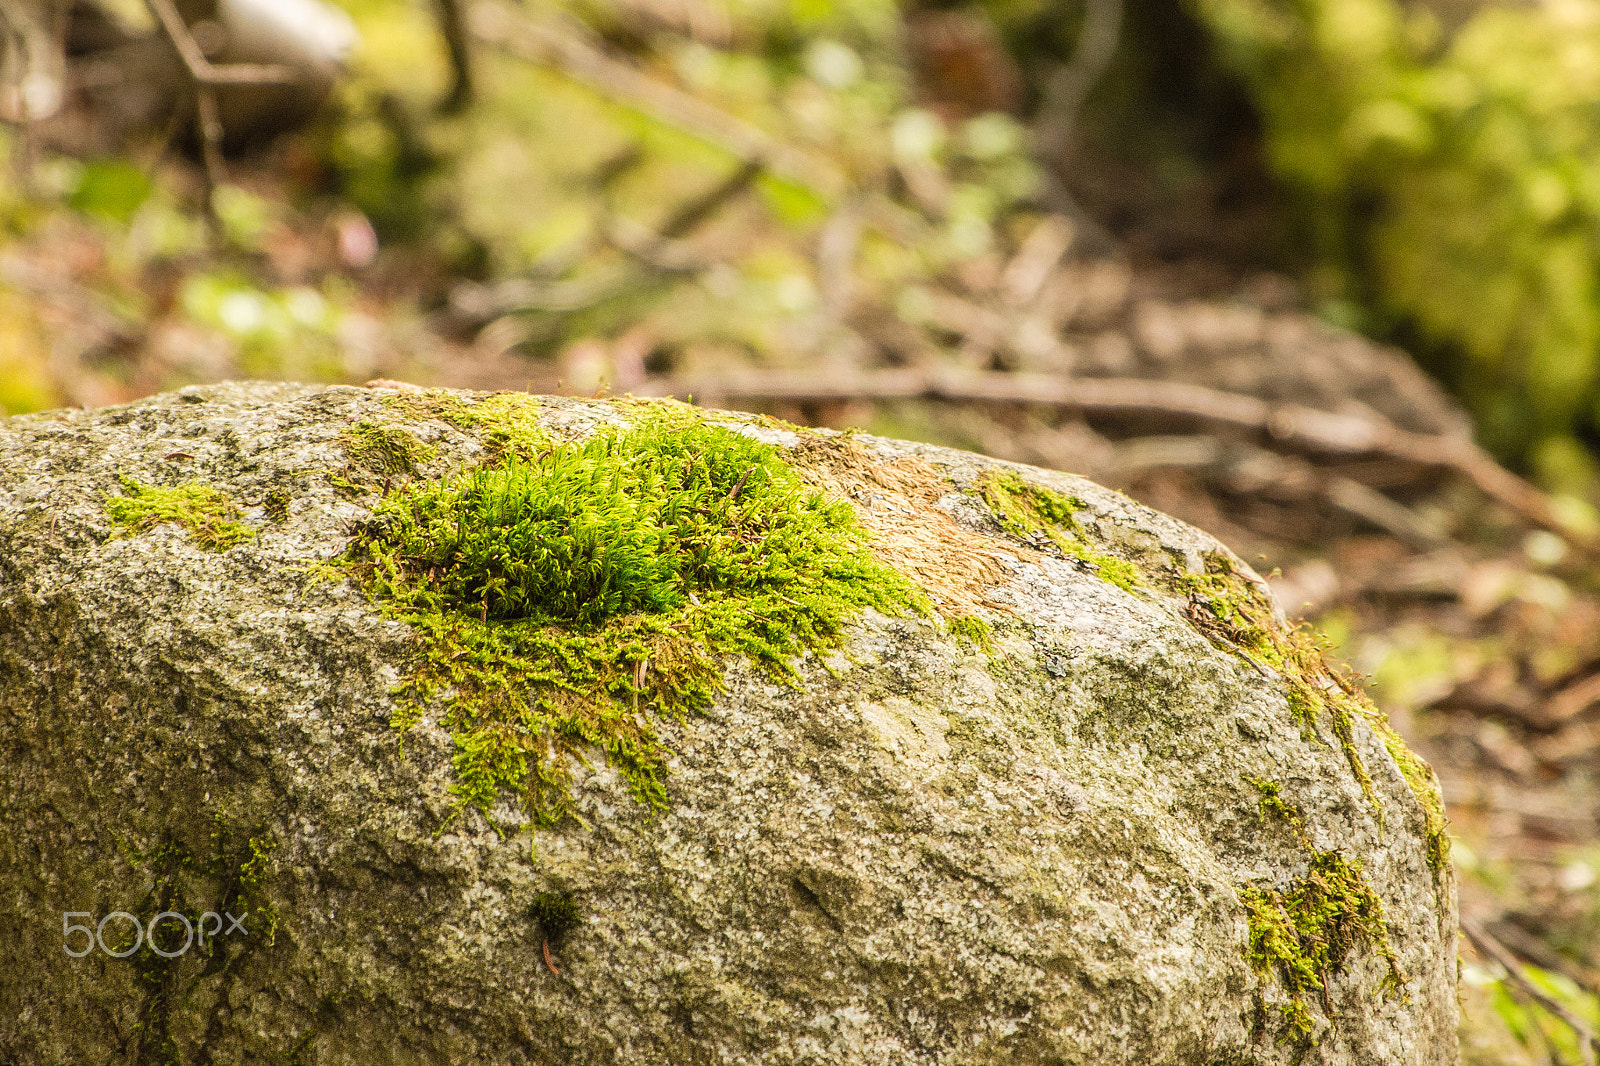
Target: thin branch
205 72
453 26
662 252
209 117
698 209
1289 425
1057 118
1487 945
1070 85
1569 702
206 76
545 44
1517 939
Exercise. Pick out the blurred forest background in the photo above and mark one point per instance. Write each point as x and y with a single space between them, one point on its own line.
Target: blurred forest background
1320 276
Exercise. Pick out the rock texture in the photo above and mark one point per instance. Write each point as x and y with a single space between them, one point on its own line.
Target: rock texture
926 852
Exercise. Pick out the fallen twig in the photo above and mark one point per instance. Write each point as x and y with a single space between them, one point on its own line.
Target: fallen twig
1487 945
1521 941
1569 702
692 212
1290 425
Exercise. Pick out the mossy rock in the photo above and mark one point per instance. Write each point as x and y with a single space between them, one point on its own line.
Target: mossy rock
850 751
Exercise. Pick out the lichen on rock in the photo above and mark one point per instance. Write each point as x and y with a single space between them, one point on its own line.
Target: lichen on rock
559 731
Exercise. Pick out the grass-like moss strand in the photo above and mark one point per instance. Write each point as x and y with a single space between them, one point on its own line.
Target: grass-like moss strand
1029 512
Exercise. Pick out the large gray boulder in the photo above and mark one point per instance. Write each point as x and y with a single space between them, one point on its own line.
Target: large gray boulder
1046 779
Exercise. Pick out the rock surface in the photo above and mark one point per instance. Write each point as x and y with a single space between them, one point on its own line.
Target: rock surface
1067 848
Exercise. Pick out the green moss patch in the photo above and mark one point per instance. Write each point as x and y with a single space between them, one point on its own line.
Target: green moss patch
384 450
507 421
1028 512
1273 805
1230 610
276 504
557 913
1221 604
207 512
1304 935
568 594
971 629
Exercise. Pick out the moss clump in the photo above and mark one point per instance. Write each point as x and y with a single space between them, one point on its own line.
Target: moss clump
1273 805
207 512
1222 604
384 450
276 504
1424 785
1226 607
557 914
566 597
1305 934
1031 511
508 421
971 629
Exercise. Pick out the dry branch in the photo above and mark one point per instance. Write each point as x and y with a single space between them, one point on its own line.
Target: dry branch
206 76
548 45
1488 946
1070 85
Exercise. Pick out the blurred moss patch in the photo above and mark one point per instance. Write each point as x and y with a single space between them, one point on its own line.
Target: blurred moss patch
25 383
1449 181
110 188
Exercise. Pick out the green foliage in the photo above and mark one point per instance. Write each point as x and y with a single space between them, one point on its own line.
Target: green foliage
287 332
1452 185
1304 934
110 188
1029 511
205 511
566 596
25 347
1532 1025
243 216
